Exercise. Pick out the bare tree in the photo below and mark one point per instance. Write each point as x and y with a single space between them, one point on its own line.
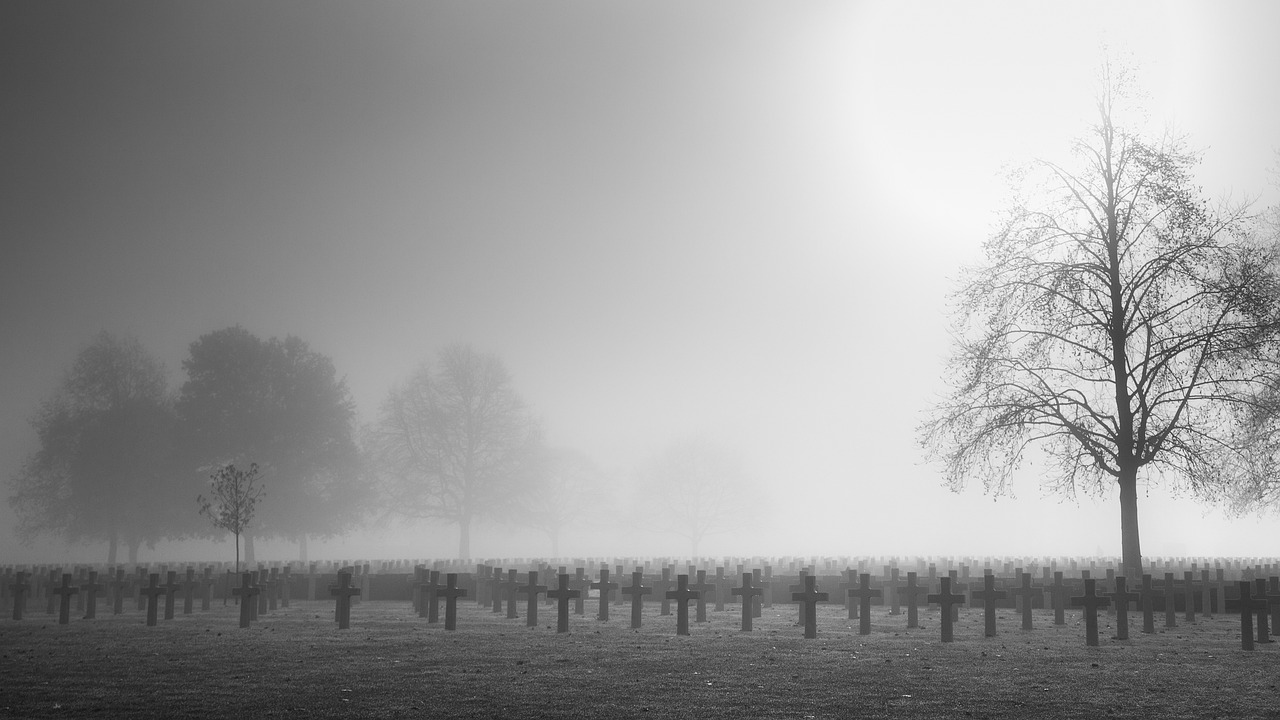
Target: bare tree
234 496
567 488
455 442
699 488
1118 325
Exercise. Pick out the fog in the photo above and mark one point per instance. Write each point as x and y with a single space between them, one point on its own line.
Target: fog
734 220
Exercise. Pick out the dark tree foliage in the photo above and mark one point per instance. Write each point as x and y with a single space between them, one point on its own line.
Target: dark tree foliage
105 470
233 498
456 443
1120 326
281 404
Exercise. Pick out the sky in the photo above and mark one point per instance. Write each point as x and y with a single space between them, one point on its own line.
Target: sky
733 219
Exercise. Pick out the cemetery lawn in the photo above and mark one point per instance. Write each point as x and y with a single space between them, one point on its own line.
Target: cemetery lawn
295 663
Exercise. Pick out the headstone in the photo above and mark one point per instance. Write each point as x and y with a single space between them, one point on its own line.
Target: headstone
171 588
1188 580
1264 609
661 586
1248 605
946 600
864 592
682 595
532 590
20 590
245 593
748 595
264 596
757 601
1090 601
432 589
1025 593
809 599
562 595
890 585
512 588
988 595
152 593
117 592
913 594
704 588
188 591
496 591
850 583
343 592
637 593
451 592
720 582
1170 615
285 581
581 583
90 590
1120 600
605 587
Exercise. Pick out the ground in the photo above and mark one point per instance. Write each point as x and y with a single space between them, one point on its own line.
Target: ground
296 663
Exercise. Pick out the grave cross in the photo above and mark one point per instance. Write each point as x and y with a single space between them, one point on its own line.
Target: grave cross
661 586
1120 599
118 587
1090 601
703 587
152 592
581 583
419 590
1248 605
720 582
563 595
264 596
451 592
605 588
765 591
343 592
91 590
64 606
533 589
913 592
1025 592
682 595
433 587
19 587
246 593
1189 593
864 593
1170 616
637 593
1264 607
850 583
1058 592
171 587
988 595
188 591
947 600
748 595
496 590
511 586
809 600
1273 599
890 585
1148 595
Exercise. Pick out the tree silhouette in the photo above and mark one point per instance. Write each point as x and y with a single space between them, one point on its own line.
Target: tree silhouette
234 495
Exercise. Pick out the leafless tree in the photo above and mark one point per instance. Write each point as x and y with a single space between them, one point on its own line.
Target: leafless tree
1119 325
234 495
697 488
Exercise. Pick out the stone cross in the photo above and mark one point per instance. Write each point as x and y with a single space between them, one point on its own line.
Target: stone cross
496 591
117 587
864 593
1120 600
748 595
1206 593
1189 593
703 587
1090 601
1170 615
605 587
1273 599
562 595
533 589
273 589
1025 592
809 600
850 583
91 590
720 582
171 587
284 587
988 595
637 593
1148 595
661 586
682 595
511 587
264 597
947 600
451 592
416 588
343 592
54 591
246 593
890 585
758 601
1248 605
19 587
913 593
432 588
1264 608
581 583
152 593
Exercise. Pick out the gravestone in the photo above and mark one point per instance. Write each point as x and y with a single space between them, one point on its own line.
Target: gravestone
1273 599
748 595
264 585
661 586
721 581
864 592
947 601
637 593
117 592
1148 595
605 587
1090 601
1264 609
889 585
1189 591
273 590
703 588
532 590
50 597
1120 600
189 586
988 595
562 595
581 583
152 593
90 591
285 582
433 588
19 591
1025 594
682 595
512 589
1206 594
757 601
850 583
1248 605
171 588
913 593
343 592
809 599
1170 615
496 591
451 592
245 595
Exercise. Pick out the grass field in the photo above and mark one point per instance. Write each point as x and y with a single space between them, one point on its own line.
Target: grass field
295 663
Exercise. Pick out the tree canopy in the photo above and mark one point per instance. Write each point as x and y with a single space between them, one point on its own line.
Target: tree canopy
105 470
281 405
455 442
1119 324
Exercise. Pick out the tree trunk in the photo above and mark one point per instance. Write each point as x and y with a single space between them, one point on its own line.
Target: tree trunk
302 548
248 550
237 554
464 537
1129 539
